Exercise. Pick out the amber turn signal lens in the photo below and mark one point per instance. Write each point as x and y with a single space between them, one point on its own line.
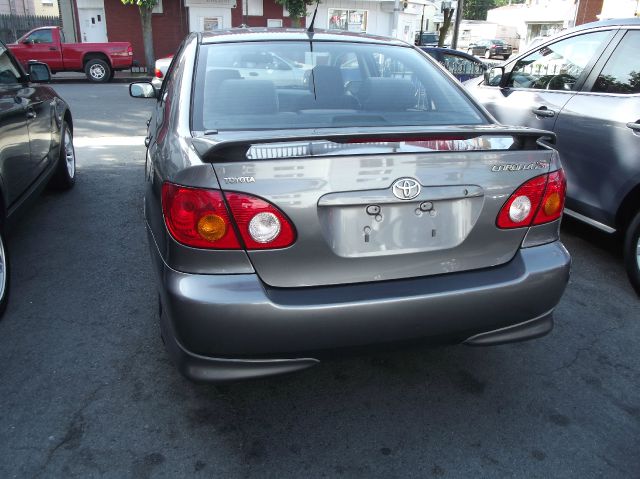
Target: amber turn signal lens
552 204
211 227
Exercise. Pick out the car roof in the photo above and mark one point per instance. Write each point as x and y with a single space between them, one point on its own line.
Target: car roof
607 23
259 34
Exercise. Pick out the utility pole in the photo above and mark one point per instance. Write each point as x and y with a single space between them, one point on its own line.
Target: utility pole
396 18
456 27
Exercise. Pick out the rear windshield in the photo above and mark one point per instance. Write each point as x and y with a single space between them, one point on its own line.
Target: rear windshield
497 42
290 85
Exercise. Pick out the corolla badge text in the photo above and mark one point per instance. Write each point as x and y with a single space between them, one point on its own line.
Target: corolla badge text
406 188
538 165
239 179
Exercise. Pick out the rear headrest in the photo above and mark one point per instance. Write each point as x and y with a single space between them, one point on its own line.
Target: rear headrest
215 77
327 81
245 97
387 94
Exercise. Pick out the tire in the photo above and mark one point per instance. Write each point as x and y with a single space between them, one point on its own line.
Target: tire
4 273
487 54
65 175
632 252
505 57
98 71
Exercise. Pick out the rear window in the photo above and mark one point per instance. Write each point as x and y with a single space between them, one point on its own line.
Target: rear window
290 85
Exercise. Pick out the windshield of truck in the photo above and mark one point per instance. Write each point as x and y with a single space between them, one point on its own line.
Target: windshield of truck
288 85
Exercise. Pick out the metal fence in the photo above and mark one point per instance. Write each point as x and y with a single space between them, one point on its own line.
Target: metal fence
13 27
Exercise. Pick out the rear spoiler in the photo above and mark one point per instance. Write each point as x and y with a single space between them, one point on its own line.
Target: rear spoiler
242 146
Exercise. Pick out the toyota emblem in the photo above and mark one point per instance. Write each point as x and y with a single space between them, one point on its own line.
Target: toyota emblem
406 188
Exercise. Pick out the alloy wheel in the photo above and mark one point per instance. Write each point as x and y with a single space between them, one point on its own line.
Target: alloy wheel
69 154
97 71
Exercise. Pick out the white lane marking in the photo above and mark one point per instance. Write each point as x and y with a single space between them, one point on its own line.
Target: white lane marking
103 141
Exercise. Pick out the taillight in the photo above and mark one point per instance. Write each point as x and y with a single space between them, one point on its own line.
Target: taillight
130 51
199 218
261 225
539 200
158 73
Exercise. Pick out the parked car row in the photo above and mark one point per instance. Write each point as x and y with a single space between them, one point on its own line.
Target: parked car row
376 203
584 85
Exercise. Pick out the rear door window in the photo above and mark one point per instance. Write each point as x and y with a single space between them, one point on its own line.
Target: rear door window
558 66
621 74
285 85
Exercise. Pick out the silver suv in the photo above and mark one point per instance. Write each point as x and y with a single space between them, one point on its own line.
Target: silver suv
584 85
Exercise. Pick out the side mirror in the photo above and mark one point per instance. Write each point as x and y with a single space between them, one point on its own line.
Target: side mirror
143 89
39 72
494 76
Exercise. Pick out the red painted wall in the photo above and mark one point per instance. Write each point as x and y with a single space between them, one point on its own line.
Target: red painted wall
587 11
169 27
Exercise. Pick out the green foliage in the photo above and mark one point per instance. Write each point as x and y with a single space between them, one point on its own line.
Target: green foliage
148 4
477 9
297 8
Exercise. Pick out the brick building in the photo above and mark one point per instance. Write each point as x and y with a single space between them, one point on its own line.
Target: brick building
110 20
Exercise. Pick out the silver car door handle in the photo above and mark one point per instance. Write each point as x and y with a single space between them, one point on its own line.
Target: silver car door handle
544 111
634 126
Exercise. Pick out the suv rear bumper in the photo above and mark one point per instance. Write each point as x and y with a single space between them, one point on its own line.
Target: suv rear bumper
226 327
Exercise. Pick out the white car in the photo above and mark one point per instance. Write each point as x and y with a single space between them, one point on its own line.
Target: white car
162 65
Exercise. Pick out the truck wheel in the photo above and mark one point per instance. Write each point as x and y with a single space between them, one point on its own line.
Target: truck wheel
632 252
4 273
98 71
65 176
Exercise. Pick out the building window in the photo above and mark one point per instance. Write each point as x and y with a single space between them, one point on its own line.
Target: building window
158 7
349 20
274 22
211 23
285 12
252 8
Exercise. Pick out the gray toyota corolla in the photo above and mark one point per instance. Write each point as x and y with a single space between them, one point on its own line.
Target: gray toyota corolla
308 192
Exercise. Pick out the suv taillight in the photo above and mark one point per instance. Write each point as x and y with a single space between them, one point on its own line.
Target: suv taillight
199 218
540 200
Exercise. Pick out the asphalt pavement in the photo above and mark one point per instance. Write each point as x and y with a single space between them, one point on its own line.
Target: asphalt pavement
86 389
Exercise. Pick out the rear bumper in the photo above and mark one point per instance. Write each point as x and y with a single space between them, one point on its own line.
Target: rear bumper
224 327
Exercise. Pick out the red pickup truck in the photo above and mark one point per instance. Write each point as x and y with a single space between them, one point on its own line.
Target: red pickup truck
98 60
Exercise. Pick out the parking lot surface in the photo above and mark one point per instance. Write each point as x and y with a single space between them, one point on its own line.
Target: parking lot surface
86 389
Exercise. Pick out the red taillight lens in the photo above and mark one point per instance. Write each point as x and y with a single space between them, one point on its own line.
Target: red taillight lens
129 51
158 73
539 200
197 217
261 225
553 201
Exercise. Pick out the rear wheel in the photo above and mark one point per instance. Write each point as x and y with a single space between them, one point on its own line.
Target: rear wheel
4 274
65 176
506 57
97 70
632 252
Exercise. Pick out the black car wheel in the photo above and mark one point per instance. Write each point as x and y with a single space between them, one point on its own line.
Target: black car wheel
65 176
97 70
4 273
632 252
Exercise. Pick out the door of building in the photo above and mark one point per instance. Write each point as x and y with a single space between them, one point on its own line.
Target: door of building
93 26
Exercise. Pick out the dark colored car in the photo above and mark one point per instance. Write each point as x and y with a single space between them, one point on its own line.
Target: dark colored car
490 49
461 65
428 39
36 146
286 222
584 85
